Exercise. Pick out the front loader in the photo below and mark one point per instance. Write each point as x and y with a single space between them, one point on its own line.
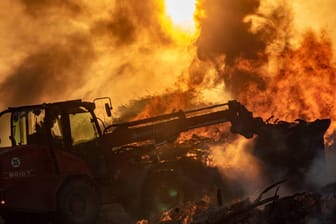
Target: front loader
56 160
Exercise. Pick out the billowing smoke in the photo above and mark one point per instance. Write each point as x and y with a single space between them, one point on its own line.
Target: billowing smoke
267 63
60 50
126 50
37 7
224 32
47 71
240 169
257 51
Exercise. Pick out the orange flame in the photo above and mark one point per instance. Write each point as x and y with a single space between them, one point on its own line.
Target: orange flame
303 85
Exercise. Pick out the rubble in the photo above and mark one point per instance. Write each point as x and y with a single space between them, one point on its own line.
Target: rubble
298 208
284 148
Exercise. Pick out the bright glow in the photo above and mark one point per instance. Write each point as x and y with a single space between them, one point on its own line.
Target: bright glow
3 202
181 12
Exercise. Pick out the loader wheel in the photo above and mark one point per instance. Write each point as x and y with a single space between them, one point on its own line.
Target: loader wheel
77 203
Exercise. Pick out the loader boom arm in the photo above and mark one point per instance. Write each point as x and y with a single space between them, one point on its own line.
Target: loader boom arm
169 126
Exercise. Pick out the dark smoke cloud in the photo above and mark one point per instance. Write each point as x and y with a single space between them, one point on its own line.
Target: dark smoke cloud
132 50
131 20
268 65
237 38
120 28
223 30
54 70
36 7
225 33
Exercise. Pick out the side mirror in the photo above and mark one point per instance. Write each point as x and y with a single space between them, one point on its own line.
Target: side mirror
108 106
108 110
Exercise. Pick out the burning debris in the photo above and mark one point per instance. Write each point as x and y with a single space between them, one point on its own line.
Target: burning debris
305 207
283 149
250 50
290 149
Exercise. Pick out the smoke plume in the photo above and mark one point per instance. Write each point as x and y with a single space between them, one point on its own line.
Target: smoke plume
46 72
60 50
268 62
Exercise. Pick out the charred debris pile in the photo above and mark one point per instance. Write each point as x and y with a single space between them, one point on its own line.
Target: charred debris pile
303 207
286 150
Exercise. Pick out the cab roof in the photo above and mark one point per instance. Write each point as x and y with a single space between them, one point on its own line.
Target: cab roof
59 105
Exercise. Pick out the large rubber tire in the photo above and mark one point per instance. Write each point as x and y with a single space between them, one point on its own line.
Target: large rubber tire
77 203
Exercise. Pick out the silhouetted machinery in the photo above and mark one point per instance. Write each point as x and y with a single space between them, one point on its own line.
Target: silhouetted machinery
59 159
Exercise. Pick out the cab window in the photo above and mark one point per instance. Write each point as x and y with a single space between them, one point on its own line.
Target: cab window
19 128
83 128
5 130
57 132
28 127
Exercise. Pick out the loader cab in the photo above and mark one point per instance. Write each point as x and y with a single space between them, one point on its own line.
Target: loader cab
72 126
41 148
74 130
65 124
67 129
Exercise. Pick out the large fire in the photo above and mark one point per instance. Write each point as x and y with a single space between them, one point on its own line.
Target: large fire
155 57
159 56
